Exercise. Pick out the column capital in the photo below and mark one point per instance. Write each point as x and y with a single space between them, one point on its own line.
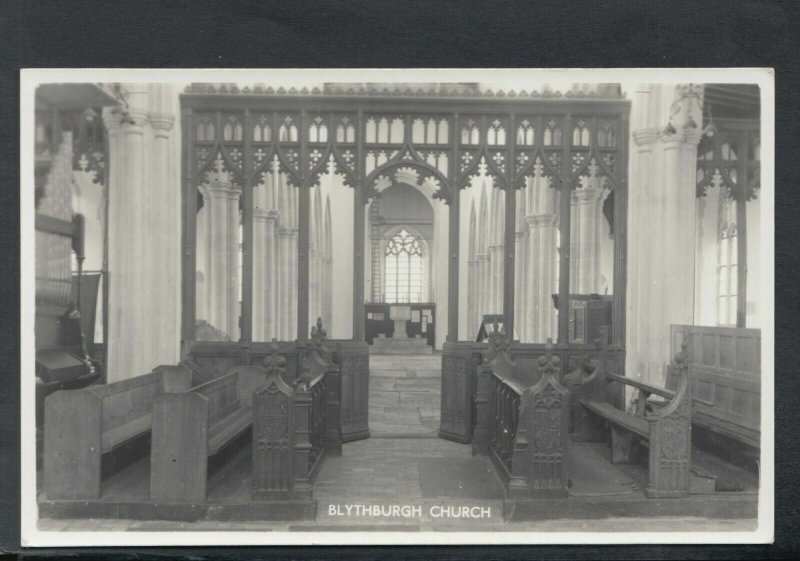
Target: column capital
216 189
586 195
134 121
645 137
162 123
537 220
112 119
234 191
671 140
693 136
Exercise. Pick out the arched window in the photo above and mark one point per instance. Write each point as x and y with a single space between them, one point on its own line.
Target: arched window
403 269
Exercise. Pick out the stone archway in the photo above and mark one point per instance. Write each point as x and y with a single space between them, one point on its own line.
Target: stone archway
424 181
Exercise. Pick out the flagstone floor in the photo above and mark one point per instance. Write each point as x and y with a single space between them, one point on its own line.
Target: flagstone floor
404 395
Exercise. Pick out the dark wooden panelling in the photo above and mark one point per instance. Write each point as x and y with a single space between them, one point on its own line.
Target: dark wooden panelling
353 360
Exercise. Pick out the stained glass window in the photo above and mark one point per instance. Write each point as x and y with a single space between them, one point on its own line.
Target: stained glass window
403 269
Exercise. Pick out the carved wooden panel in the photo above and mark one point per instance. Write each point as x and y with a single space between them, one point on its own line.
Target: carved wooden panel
457 392
540 451
353 358
272 440
670 446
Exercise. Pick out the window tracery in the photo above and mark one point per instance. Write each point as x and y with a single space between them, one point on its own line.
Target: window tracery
403 260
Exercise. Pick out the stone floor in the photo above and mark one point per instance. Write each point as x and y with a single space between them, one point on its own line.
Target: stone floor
391 467
404 395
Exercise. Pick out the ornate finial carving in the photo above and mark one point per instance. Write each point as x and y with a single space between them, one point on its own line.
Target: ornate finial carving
304 380
602 340
499 342
550 363
318 338
274 363
682 357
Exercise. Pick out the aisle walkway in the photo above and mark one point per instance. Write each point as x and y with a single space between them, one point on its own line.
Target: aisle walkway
404 463
404 395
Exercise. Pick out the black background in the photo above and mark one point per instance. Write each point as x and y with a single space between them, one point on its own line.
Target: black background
261 34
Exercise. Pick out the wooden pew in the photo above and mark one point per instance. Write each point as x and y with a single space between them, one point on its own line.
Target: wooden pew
522 429
189 428
82 425
663 426
295 428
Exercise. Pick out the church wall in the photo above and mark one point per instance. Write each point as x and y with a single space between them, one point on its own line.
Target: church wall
466 329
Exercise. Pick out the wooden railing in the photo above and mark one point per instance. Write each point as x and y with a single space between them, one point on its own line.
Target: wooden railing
316 433
506 396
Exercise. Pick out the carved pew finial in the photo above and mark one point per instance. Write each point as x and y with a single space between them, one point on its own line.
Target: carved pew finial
682 357
319 337
602 341
274 363
550 363
499 343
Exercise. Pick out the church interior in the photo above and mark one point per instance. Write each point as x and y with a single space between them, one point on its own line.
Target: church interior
256 303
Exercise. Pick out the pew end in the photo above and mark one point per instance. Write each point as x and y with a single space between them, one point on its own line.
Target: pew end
72 445
178 462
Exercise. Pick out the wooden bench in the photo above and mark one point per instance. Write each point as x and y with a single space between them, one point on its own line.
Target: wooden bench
664 426
82 425
189 428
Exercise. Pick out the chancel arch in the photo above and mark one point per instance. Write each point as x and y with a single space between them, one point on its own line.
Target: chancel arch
405 199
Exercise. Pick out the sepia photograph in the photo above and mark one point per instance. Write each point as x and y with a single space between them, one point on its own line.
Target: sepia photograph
410 306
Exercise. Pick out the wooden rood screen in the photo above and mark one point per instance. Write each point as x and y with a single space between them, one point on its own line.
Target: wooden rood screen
443 135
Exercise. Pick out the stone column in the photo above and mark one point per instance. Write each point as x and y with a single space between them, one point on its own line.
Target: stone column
201 265
473 311
143 235
118 331
484 266
234 239
662 223
260 277
164 202
585 242
292 302
282 289
215 200
271 278
314 309
542 267
520 269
